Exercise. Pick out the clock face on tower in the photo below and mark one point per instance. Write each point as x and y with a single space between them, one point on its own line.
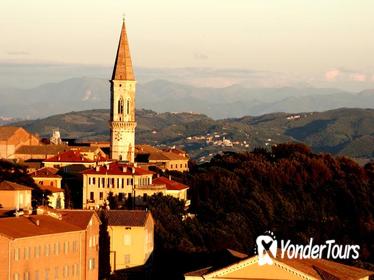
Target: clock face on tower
118 136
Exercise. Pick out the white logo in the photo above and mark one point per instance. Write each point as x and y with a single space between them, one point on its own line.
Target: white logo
266 246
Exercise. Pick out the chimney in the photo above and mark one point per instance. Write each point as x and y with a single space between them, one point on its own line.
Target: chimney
107 167
158 175
37 222
135 164
133 170
97 168
170 177
124 169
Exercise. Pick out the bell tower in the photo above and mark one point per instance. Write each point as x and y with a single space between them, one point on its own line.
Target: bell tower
122 105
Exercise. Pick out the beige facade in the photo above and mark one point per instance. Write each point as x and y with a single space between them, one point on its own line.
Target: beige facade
11 138
131 238
291 269
119 179
48 247
14 196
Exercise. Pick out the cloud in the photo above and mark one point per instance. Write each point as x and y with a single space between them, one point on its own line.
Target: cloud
358 77
332 74
18 53
346 75
200 56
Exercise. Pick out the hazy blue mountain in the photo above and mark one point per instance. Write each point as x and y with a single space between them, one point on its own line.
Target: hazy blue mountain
165 96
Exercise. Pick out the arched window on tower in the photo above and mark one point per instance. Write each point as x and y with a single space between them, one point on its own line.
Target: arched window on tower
120 106
128 106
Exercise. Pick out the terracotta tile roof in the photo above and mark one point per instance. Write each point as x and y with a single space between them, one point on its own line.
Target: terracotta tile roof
41 149
69 156
116 168
79 218
45 172
123 66
10 186
20 227
157 154
131 218
50 188
317 268
7 131
170 184
323 269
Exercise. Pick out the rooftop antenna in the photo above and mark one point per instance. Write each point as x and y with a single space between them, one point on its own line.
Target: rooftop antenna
123 17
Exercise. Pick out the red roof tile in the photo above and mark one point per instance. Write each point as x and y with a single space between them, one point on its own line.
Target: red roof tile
19 227
45 172
116 168
80 218
50 188
69 156
170 184
131 218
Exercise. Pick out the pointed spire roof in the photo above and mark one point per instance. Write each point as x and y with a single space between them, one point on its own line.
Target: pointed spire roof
123 66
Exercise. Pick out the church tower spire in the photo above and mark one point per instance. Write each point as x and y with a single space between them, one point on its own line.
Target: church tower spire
122 111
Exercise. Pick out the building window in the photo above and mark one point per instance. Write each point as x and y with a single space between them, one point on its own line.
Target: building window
144 197
46 250
65 271
47 274
128 106
127 259
92 196
127 239
56 272
16 254
171 166
27 253
94 181
91 264
120 106
74 246
66 247
101 195
16 276
37 275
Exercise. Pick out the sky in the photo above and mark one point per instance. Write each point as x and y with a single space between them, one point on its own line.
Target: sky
329 39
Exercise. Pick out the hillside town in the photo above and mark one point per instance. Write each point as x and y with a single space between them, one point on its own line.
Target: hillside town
90 193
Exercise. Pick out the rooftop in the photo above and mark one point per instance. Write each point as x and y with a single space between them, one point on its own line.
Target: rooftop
69 156
21 227
131 218
116 168
10 186
41 149
7 131
170 184
45 172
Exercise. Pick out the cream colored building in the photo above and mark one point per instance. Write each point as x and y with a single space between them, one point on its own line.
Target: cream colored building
127 182
131 237
291 269
117 178
14 196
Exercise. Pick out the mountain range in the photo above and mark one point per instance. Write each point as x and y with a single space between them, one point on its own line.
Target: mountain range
345 131
164 96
